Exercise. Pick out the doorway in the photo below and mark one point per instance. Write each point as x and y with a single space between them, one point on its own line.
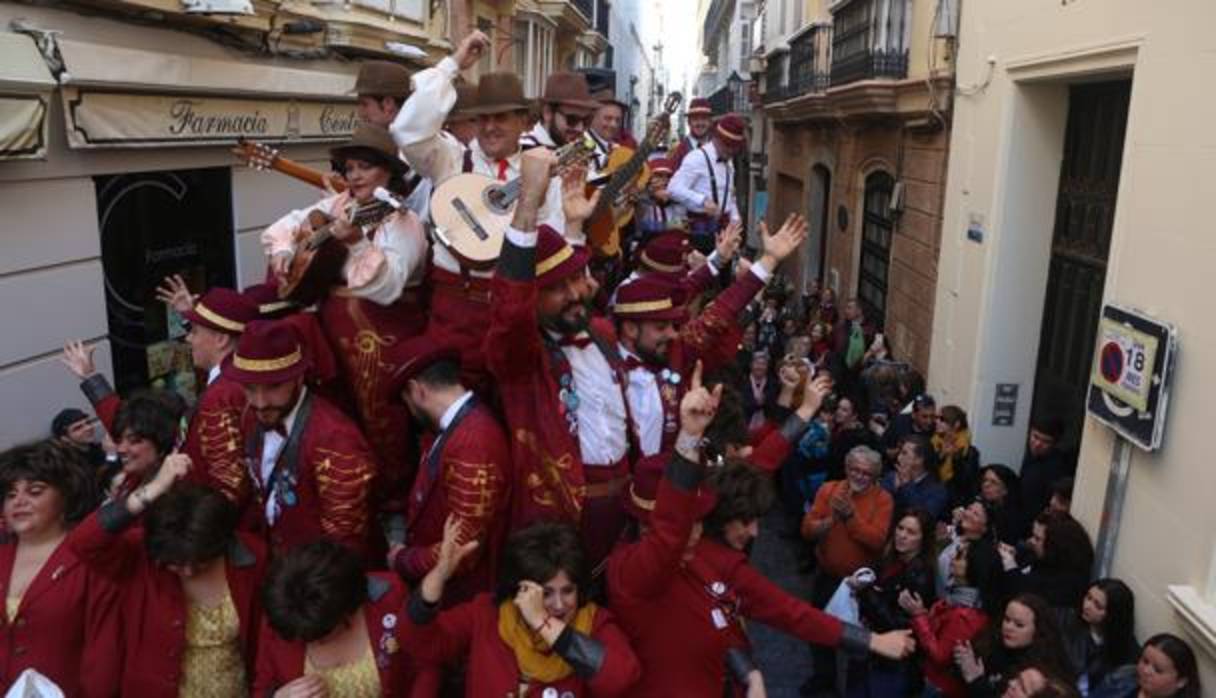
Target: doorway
877 229
817 214
1080 247
154 224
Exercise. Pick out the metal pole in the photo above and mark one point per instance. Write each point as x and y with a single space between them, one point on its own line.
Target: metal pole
1112 507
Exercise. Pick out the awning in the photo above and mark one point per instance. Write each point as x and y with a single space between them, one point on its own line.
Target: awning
118 97
25 92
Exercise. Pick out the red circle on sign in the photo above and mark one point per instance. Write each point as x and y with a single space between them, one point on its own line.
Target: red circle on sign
1111 363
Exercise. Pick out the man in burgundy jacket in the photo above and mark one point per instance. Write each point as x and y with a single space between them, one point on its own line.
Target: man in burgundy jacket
311 466
559 375
465 472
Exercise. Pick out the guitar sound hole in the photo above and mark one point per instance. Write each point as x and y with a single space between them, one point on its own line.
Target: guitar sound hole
496 198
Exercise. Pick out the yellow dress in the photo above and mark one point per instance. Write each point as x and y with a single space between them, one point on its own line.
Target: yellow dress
212 666
359 679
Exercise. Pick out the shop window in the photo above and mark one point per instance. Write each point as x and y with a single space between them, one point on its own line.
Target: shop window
154 224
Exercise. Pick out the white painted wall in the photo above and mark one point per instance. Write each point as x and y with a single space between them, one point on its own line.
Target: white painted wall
1004 168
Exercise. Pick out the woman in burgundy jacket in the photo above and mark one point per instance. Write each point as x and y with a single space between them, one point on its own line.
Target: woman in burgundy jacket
537 635
955 619
189 583
331 629
60 617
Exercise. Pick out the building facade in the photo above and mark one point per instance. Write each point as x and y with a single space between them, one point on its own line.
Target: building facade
117 121
1079 165
856 100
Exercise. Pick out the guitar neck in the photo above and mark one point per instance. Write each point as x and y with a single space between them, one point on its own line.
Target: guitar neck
305 173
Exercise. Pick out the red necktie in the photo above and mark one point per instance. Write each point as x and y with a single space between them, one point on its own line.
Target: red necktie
502 170
580 340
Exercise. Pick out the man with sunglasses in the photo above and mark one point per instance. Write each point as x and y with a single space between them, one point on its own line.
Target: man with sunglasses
565 112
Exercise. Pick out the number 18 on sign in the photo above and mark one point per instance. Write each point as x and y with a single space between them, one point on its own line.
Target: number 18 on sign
1129 386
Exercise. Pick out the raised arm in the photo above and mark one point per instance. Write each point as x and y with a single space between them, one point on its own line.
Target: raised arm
418 128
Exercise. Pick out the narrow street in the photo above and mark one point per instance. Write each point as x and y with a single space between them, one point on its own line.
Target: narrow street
778 553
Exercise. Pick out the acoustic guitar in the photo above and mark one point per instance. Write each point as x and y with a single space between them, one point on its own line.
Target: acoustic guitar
471 212
261 156
627 173
316 266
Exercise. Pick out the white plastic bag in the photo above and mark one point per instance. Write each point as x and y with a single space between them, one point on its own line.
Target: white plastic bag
843 603
31 684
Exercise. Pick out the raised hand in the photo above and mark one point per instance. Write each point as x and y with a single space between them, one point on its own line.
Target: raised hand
530 600
699 405
729 240
471 49
911 602
575 203
535 168
784 242
969 665
79 359
816 391
451 553
174 293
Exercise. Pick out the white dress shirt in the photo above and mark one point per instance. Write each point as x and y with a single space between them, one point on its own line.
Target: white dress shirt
691 186
602 436
272 447
213 374
645 406
437 155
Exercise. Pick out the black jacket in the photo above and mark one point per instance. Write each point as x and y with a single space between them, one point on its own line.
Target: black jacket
879 603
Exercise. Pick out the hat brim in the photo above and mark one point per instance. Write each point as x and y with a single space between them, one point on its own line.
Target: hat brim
676 313
195 318
230 371
342 153
496 109
589 105
573 265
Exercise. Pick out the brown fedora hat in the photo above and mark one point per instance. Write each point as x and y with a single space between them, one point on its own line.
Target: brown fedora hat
383 79
569 89
369 140
498 93
466 99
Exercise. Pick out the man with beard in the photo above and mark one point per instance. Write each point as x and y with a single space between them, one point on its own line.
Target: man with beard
659 349
700 118
311 467
464 474
460 310
566 108
560 377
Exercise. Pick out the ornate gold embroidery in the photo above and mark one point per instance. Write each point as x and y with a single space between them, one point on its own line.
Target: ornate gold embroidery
548 484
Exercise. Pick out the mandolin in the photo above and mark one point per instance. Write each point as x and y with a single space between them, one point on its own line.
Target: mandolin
316 267
627 172
261 156
471 212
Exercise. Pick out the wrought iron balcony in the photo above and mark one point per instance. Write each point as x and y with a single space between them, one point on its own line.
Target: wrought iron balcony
731 97
775 83
810 61
869 40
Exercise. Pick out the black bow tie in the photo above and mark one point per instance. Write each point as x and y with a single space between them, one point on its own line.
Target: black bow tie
280 429
632 362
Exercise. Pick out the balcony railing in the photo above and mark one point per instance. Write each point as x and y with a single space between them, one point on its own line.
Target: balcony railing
775 83
870 40
810 61
731 97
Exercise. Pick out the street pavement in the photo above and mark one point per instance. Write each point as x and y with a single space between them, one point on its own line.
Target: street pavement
777 553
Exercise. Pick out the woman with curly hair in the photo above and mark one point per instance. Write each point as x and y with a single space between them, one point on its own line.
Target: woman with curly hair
60 617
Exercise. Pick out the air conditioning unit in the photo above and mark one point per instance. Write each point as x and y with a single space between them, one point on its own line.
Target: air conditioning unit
218 7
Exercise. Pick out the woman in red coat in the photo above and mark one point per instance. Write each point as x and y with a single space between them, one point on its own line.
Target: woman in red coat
331 630
60 618
956 619
537 636
189 585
